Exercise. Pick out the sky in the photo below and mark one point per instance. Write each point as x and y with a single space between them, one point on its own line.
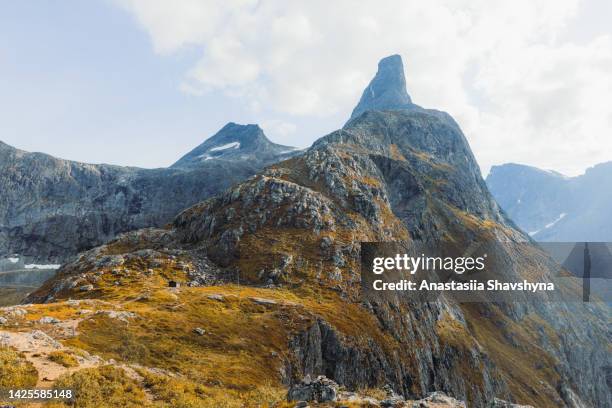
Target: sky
142 82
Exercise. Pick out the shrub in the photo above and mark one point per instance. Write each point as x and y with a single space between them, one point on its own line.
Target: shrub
15 370
104 386
63 358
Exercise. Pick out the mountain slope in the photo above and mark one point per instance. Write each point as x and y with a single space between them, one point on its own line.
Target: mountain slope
552 207
270 271
236 142
51 209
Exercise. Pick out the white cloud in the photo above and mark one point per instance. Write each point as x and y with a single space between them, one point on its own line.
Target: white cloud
278 129
519 92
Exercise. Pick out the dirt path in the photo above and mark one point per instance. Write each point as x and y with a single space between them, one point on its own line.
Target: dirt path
36 346
38 343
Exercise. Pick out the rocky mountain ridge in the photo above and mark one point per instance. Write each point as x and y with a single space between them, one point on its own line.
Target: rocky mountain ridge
282 249
51 209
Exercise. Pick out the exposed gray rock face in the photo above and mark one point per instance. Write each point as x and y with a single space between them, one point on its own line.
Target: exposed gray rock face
51 209
552 207
236 143
497 403
324 390
438 399
387 91
386 176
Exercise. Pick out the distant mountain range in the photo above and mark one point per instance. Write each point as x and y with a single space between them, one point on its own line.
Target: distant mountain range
51 209
553 207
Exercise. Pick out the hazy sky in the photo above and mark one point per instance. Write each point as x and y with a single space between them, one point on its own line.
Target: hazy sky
141 82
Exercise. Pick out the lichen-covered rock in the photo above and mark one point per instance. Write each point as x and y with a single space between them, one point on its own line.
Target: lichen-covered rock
437 400
321 389
48 320
498 403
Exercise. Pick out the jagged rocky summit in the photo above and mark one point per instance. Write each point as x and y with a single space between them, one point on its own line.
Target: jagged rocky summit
387 90
51 209
236 143
290 238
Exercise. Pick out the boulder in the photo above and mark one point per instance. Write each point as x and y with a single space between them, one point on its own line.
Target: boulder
498 403
438 399
322 389
263 301
217 297
48 320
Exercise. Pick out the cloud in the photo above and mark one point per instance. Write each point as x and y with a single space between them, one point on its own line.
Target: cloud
499 67
555 112
278 127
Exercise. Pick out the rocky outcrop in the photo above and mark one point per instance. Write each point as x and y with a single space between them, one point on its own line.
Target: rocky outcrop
51 209
324 390
387 90
497 403
321 389
322 350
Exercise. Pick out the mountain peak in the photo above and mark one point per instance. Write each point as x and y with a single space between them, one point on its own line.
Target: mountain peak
515 171
235 142
387 90
238 133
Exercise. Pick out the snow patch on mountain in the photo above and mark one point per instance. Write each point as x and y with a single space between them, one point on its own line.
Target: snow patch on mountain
550 225
43 266
233 145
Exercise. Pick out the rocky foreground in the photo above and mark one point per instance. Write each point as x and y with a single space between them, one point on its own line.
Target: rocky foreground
323 391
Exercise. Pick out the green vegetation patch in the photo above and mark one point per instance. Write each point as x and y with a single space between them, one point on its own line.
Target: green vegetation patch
63 358
15 370
183 393
103 387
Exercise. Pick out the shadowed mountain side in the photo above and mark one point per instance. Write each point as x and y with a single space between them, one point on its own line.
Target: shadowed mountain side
51 209
555 208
